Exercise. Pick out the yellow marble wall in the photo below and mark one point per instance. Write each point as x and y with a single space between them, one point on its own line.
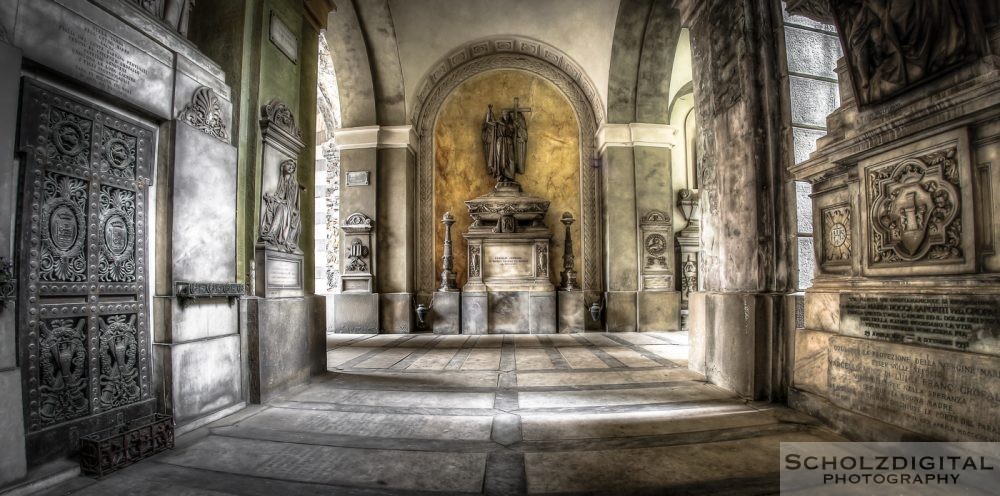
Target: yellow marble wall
552 168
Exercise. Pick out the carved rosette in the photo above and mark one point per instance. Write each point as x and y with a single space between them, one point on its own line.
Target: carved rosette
915 212
204 113
837 242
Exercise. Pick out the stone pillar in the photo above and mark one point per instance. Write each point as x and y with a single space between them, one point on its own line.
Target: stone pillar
378 180
571 304
636 161
741 162
446 305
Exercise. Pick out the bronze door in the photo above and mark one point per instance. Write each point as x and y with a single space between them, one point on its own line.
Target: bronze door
83 318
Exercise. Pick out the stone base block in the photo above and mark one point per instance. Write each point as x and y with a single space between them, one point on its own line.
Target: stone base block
356 313
573 312
810 371
822 311
542 313
13 463
475 313
198 378
397 313
280 334
658 311
620 311
445 316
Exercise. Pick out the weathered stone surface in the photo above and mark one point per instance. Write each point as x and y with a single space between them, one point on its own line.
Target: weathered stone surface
620 311
13 463
397 313
822 311
445 315
542 306
659 311
812 360
356 313
509 312
942 394
279 333
475 313
572 311
199 377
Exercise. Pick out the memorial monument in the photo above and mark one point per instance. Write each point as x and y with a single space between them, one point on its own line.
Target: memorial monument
509 289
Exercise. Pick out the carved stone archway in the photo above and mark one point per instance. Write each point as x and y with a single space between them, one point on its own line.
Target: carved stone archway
539 59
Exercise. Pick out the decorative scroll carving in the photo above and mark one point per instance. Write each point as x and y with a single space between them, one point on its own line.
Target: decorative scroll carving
117 234
546 62
63 229
119 361
357 223
281 223
279 115
891 46
63 382
915 209
204 113
837 242
358 275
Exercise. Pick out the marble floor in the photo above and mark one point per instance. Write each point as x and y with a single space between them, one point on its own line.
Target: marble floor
423 414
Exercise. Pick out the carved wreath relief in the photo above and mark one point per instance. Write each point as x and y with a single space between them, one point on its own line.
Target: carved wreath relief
837 235
68 139
915 207
656 246
118 157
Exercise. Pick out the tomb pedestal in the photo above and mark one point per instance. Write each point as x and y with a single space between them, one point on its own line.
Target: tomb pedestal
509 288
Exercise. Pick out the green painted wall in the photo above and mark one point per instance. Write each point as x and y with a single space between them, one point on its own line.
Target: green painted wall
236 35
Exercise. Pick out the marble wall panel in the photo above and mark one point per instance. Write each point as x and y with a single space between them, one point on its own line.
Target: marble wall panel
204 376
809 372
552 168
822 311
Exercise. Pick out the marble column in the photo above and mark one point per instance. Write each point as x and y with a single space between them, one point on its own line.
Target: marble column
636 162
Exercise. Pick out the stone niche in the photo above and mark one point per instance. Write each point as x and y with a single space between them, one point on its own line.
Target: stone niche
901 339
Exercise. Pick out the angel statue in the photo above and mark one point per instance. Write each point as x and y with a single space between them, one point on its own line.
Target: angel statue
505 142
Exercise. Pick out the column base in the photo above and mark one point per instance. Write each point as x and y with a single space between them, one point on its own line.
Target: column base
445 316
356 313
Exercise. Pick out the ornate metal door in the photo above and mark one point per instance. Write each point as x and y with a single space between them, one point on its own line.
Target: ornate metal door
83 322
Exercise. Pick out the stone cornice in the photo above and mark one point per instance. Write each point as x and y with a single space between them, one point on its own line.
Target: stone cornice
376 137
636 134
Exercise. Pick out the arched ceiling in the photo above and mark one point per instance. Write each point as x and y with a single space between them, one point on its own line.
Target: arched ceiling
428 30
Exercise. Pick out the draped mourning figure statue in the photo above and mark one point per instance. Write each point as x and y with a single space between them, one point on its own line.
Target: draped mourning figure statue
280 222
505 143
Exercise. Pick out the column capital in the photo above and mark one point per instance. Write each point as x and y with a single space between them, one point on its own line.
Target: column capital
636 134
376 137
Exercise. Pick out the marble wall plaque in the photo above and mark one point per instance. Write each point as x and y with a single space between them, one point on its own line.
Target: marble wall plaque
358 178
943 394
507 261
284 273
957 322
283 38
69 43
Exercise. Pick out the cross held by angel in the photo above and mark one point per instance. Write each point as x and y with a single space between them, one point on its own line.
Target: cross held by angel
505 142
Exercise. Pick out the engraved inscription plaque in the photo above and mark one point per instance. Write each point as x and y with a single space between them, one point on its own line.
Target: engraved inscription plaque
507 261
944 394
284 273
85 349
110 61
283 38
958 322
358 178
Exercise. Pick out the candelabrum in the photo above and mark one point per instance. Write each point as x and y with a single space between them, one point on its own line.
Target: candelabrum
448 259
568 274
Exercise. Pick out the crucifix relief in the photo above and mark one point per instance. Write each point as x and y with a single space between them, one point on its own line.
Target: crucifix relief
505 143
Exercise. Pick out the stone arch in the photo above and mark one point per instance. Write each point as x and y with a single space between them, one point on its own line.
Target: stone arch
546 62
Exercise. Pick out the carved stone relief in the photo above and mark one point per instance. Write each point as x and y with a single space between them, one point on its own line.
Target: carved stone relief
63 364
281 222
176 13
119 361
63 256
475 263
204 113
357 254
358 271
507 53
891 46
837 228
117 234
915 210
542 256
656 228
279 115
